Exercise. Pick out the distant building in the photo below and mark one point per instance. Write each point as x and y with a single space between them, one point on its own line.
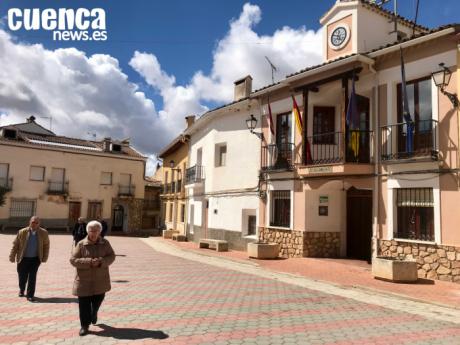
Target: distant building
151 219
60 179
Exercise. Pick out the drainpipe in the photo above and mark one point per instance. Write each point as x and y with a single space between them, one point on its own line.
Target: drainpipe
458 117
375 195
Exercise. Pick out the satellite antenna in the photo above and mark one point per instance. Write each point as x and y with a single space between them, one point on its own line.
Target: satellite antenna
273 67
51 121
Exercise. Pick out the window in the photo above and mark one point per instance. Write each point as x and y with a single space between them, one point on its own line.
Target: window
37 173
251 225
170 212
94 210
281 208
420 109
182 213
4 169
323 125
56 183
106 178
221 155
415 212
22 208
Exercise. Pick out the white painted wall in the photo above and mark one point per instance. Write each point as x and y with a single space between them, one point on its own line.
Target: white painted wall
240 172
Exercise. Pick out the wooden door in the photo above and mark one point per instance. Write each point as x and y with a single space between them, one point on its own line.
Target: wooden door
118 218
74 213
359 224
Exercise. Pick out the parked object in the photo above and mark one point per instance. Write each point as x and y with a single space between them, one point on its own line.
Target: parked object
397 271
260 250
218 245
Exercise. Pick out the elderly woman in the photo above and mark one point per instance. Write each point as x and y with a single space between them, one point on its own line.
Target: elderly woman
92 257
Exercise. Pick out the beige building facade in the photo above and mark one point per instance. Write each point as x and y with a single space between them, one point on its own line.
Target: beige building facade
60 179
366 180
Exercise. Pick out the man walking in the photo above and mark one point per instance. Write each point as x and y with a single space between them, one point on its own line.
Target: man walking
79 231
30 248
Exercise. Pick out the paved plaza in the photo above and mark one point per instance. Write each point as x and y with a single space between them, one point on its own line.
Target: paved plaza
159 297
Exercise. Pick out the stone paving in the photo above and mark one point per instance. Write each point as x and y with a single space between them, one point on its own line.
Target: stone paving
158 298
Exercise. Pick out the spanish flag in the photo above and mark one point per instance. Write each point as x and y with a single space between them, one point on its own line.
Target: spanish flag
296 113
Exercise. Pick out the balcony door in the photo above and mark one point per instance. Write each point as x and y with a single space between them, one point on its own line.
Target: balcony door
358 141
57 180
283 141
4 175
420 109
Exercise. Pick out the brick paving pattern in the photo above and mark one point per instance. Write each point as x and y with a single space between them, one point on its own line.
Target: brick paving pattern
162 299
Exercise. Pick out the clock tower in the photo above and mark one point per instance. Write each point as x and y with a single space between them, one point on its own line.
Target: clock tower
359 26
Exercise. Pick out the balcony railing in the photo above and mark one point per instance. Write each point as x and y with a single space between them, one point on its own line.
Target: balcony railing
329 148
278 157
58 188
126 190
410 140
6 183
194 174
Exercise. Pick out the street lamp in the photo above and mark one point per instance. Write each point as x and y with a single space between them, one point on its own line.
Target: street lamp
251 123
441 79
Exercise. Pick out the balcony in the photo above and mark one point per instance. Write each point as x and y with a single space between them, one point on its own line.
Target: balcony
126 190
278 157
410 141
194 174
329 148
58 188
6 183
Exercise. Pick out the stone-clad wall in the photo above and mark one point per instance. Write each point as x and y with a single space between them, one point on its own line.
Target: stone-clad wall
321 244
296 244
433 261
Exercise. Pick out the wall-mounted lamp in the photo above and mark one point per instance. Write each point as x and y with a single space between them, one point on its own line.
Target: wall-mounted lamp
251 122
171 165
441 79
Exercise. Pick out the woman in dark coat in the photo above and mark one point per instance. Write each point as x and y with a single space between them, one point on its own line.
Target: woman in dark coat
92 257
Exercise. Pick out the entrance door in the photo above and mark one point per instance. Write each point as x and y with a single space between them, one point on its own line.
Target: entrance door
359 224
74 213
205 218
118 218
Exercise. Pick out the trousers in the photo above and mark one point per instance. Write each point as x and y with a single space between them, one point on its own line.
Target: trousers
88 307
27 273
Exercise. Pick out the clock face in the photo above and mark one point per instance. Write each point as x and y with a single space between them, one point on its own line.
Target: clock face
339 36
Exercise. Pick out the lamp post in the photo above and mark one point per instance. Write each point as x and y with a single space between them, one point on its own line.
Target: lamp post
251 123
441 79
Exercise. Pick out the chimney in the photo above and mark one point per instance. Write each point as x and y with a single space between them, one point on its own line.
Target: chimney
107 144
31 119
243 88
190 120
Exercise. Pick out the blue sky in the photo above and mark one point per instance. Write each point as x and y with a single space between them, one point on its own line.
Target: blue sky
176 43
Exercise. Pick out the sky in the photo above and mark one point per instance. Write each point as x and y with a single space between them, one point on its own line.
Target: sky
162 61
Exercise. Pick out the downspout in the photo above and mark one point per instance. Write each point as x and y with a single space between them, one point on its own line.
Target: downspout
458 113
377 189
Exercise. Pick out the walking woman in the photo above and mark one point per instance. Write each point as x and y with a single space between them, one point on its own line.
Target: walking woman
92 257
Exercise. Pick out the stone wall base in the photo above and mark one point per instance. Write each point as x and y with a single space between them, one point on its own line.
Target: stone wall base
297 244
433 261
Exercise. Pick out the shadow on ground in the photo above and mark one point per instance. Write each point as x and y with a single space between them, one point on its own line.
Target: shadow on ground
56 300
128 333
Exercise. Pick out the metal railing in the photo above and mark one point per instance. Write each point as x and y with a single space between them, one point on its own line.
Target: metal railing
126 190
194 174
6 183
329 148
58 187
410 140
278 157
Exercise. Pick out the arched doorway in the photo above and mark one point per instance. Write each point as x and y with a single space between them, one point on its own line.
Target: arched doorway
118 218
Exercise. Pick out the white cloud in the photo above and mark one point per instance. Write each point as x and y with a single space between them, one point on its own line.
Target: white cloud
91 94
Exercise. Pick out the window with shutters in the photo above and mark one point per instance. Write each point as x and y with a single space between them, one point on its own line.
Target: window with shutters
281 208
106 178
37 173
23 208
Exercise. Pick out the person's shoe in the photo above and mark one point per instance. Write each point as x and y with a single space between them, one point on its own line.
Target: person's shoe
94 319
83 331
31 299
21 294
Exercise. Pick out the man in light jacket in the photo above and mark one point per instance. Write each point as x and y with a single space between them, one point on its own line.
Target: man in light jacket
30 248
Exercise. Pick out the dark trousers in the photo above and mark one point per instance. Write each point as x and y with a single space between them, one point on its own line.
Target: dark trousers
27 272
89 306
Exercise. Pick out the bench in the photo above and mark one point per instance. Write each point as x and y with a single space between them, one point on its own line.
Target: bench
179 238
218 245
169 233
